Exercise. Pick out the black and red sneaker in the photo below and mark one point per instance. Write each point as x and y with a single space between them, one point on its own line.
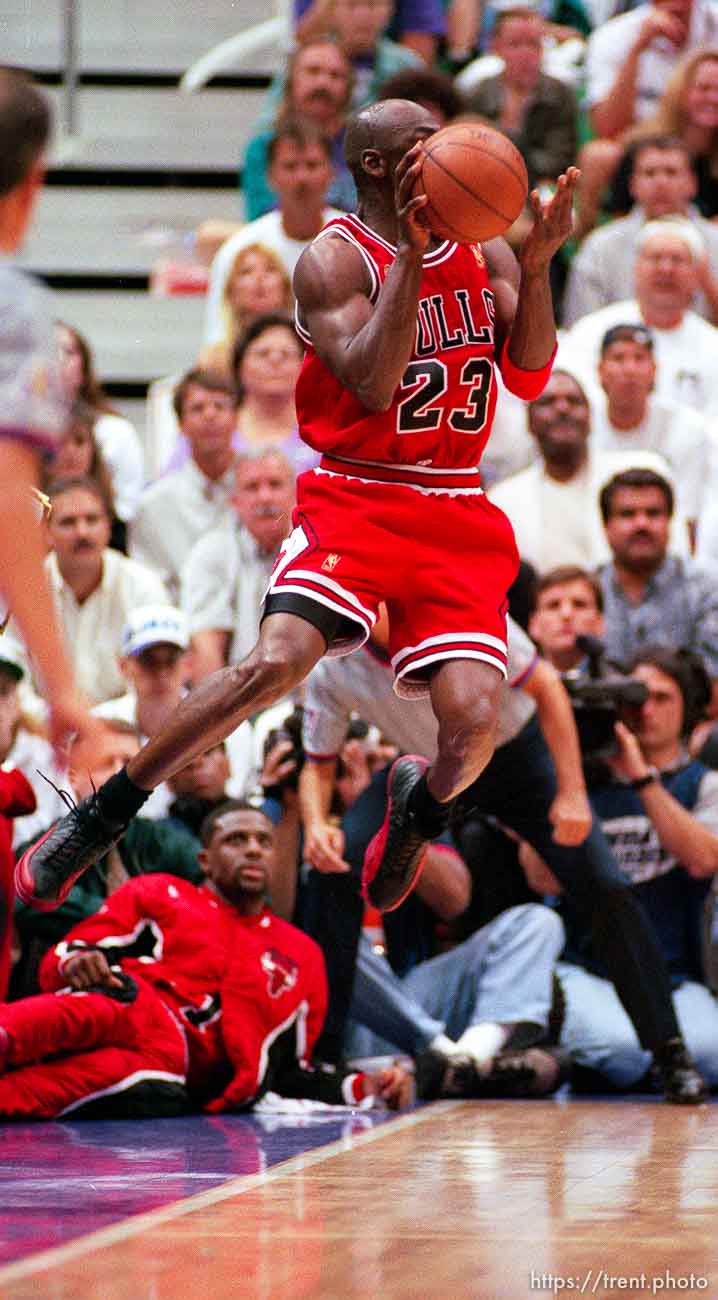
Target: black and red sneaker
49 868
395 856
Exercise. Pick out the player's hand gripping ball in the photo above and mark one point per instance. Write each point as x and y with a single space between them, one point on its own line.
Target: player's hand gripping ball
475 180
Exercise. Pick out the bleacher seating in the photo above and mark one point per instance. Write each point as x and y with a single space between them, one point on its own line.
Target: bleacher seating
146 164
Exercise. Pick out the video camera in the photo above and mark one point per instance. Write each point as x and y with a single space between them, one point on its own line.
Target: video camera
601 695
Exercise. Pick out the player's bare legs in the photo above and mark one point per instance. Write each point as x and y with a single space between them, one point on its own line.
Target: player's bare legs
288 647
465 697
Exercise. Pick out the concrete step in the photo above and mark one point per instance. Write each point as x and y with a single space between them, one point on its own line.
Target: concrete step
110 230
135 337
162 130
132 36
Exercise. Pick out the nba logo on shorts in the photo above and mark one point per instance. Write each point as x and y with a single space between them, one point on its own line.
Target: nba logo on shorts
331 562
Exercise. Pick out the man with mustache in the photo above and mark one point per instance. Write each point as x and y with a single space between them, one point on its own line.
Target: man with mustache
651 595
95 588
553 504
317 89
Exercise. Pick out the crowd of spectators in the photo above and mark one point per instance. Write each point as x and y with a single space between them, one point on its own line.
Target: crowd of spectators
487 980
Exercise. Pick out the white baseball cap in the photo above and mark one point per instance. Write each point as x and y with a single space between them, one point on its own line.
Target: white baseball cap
154 625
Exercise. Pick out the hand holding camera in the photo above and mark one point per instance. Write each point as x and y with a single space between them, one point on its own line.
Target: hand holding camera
628 763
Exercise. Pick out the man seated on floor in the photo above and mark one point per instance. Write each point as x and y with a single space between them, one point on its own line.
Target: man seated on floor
151 844
659 811
174 992
474 1015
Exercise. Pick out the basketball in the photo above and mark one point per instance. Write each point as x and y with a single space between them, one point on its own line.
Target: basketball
475 180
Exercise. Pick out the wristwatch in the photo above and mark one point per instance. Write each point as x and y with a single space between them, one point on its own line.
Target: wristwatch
642 781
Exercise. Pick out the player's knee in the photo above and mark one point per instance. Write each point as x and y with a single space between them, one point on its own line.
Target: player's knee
277 667
473 714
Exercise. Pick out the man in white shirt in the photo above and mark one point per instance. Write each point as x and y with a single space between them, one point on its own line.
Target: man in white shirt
227 571
553 504
182 506
628 417
668 256
95 588
300 170
662 184
630 58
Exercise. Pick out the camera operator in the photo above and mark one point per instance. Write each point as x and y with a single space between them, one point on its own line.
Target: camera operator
534 786
659 811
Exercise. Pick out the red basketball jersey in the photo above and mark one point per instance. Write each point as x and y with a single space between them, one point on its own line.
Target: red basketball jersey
442 410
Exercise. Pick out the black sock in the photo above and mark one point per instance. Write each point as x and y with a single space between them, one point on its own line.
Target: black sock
119 798
430 817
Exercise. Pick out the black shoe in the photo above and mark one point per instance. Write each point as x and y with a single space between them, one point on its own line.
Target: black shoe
395 856
47 870
442 1076
683 1084
533 1072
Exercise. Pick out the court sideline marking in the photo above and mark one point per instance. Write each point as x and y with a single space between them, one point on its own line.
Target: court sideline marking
139 1223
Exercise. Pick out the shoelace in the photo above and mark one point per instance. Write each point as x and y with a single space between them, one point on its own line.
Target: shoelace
67 799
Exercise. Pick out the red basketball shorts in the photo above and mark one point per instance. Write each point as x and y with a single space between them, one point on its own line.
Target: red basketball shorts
442 564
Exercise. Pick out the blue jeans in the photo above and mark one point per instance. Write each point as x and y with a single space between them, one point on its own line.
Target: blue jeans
503 973
518 787
598 1034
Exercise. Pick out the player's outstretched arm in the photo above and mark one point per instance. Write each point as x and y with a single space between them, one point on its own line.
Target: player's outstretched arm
27 594
367 347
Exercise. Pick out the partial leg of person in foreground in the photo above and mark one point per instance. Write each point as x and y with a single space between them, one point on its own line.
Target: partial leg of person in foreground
464 696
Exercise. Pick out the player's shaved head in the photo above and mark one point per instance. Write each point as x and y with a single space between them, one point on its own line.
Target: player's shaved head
389 128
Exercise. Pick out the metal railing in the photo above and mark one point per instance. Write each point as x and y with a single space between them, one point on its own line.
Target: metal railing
230 53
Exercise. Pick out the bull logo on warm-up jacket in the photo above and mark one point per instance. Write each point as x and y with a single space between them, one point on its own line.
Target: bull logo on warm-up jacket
281 971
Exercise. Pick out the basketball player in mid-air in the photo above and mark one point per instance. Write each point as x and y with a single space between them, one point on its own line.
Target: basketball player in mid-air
397 391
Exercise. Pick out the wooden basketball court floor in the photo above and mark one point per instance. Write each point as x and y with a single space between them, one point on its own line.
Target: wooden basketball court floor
454 1200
